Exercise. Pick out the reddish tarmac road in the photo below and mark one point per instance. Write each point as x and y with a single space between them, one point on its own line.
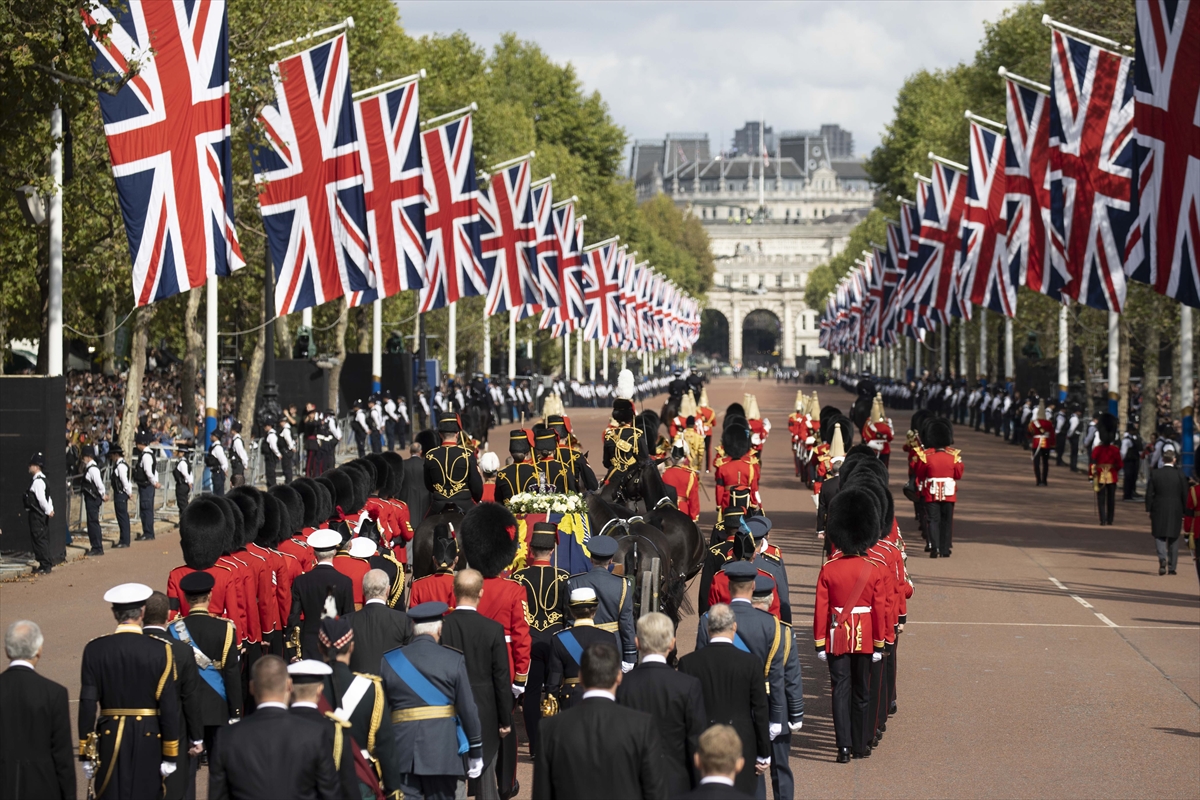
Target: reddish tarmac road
1046 658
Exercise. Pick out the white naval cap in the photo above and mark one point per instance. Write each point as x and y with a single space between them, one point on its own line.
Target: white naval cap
324 539
128 594
362 547
584 594
308 671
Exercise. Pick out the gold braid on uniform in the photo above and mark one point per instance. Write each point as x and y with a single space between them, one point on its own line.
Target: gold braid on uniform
169 670
337 738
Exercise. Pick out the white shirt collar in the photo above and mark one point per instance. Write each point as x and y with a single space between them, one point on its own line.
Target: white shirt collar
654 658
713 779
271 704
725 639
740 600
154 628
607 695
465 608
375 600
301 704
19 662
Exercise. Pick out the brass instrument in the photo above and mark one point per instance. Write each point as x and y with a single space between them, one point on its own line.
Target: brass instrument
549 705
91 752
293 643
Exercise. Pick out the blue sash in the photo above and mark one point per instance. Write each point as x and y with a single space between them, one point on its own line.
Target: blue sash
210 674
739 644
430 695
572 644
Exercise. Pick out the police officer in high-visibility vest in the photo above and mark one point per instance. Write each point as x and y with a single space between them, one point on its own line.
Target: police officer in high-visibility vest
94 496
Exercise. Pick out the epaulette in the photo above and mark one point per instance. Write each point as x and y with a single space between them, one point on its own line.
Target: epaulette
954 452
919 452
423 577
772 552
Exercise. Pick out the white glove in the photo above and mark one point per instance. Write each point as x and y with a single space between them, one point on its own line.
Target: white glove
89 769
166 768
821 655
626 666
876 657
234 720
476 768
775 729
518 689
795 727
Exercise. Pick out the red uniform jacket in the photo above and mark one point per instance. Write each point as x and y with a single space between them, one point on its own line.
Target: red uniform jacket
435 588
504 600
246 590
894 538
289 568
798 426
915 454
402 524
878 432
718 591
865 622
734 473
298 547
938 474
687 486
262 562
1193 503
757 429
888 555
1041 434
354 569
222 601
1106 464
707 418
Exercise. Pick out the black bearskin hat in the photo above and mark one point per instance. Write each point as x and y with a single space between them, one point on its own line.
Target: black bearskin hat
649 422
735 410
937 433
395 464
622 410
368 468
847 429
918 419
734 419
1106 427
487 535
310 513
235 538
445 548
363 481
326 497
735 440
853 524
343 490
826 413
295 509
865 478
277 523
428 440
870 464
249 501
865 388
202 532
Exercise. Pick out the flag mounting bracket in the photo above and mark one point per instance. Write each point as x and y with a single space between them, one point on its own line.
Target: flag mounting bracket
1026 82
947 162
991 123
458 112
383 87
1101 40
345 25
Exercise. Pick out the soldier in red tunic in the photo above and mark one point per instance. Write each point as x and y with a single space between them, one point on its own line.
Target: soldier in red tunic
202 535
1106 467
740 469
877 433
707 420
1041 442
439 585
799 427
684 480
937 476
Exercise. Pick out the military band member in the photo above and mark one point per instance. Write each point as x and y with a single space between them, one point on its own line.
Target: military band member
799 428
181 783
740 469
520 475
122 489
439 585
614 595
1105 467
184 480
570 453
145 475
546 612
877 432
308 685
683 479
937 474
625 444
567 646
214 644
432 710
128 678
551 471
94 496
1041 436
451 472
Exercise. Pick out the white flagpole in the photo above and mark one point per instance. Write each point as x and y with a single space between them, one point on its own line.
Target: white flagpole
512 343
452 341
592 360
54 343
579 356
962 349
604 361
983 344
1010 369
1064 353
377 346
1114 348
211 401
1186 384
487 345
566 370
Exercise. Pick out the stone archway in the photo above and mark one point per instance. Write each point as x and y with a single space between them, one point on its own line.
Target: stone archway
762 338
714 335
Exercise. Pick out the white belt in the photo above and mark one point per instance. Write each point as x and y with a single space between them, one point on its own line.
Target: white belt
941 486
508 638
855 610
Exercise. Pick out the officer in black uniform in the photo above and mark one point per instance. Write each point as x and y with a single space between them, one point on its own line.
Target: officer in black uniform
520 475
183 476
546 612
213 640
122 489
451 472
625 443
566 651
145 475
181 783
270 451
308 703
615 595
570 455
551 471
40 508
129 678
93 498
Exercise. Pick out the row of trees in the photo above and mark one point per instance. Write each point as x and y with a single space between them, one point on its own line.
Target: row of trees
526 102
929 117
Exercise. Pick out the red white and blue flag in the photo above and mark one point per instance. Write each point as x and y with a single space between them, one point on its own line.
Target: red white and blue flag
601 293
453 252
168 140
568 233
986 278
310 180
545 253
391 158
1167 90
508 236
939 242
1093 223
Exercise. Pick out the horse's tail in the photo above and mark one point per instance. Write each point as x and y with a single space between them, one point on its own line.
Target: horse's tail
674 600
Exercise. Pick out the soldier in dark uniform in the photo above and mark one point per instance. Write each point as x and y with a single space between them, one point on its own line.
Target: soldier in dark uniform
94 496
145 475
183 476
614 595
546 611
308 703
625 443
724 534
451 472
518 476
551 471
213 640
129 679
182 783
570 455
769 559
122 488
322 591
566 650
432 710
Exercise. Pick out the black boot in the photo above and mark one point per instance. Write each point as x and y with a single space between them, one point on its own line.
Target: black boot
843 756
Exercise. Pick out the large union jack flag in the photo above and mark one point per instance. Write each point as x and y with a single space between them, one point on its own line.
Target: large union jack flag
1040 267
545 252
601 292
168 140
310 181
394 190
568 235
1091 163
939 242
508 237
453 252
986 278
1167 88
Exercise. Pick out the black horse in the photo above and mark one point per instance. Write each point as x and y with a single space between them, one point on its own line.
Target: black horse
860 412
477 414
422 541
642 489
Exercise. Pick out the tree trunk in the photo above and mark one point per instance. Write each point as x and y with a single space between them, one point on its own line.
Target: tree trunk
1123 372
3 333
1150 353
362 328
108 359
249 398
283 337
133 379
339 349
193 348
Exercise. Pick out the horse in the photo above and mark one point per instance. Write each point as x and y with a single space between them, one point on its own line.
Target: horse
477 415
422 541
643 487
860 412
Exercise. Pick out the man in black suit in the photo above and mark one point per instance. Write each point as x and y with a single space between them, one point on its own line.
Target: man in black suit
734 694
413 491
309 677
320 591
1166 502
182 782
675 701
377 628
273 753
564 673
481 641
36 749
599 749
719 760
213 641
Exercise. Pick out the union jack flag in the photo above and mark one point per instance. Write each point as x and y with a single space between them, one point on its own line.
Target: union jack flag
545 252
1091 163
939 242
986 277
310 181
1168 135
453 252
568 234
601 292
508 237
1039 265
168 140
394 191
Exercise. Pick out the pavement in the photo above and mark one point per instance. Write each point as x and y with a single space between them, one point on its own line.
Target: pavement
1046 658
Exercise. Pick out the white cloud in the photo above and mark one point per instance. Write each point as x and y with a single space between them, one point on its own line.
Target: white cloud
708 67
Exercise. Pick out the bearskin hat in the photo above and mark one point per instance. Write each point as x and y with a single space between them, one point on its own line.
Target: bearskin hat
295 510
883 496
277 524
344 492
428 440
1107 427
369 467
363 481
249 502
445 548
649 422
937 433
856 458
734 419
326 498
202 532
310 513
828 412
235 538
735 409
735 440
854 515
487 535
918 420
847 430
395 483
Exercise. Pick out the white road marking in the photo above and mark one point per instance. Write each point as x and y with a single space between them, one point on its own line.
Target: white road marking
1108 623
1086 604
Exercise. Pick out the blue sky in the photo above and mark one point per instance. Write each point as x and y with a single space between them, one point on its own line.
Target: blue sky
710 66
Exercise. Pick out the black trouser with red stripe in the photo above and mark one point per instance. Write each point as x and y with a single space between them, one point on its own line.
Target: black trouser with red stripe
850 676
877 705
1106 502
